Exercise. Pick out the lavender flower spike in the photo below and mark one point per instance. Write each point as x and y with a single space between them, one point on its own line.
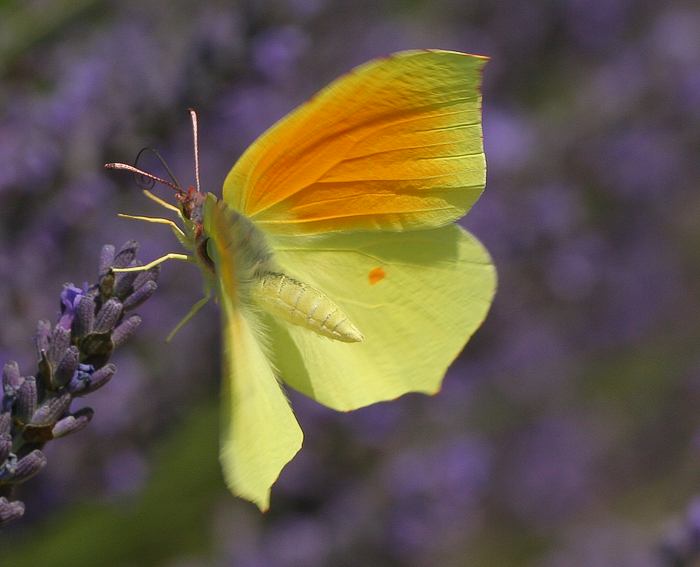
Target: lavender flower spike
73 360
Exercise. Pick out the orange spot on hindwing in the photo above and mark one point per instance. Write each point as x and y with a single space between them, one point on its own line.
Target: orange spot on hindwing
376 275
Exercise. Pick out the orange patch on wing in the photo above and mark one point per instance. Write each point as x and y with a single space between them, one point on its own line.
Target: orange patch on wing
376 275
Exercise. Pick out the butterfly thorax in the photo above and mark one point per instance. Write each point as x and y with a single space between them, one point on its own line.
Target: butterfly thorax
232 241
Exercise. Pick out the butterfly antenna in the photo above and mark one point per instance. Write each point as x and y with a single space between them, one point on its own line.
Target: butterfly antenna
195 136
140 172
163 163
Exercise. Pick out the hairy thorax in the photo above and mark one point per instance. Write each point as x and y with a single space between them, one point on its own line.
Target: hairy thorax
230 244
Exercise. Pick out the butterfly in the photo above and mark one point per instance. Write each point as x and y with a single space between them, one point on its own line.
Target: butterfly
334 252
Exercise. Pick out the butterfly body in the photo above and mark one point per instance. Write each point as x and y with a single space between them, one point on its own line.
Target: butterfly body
339 221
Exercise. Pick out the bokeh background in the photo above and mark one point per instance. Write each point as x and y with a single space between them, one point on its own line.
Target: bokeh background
568 432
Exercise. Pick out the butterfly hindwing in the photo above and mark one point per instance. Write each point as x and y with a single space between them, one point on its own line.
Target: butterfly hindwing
416 297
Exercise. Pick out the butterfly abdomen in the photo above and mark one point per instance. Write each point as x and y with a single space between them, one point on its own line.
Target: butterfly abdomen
301 304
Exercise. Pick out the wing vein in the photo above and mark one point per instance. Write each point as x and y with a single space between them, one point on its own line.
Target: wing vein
274 179
403 149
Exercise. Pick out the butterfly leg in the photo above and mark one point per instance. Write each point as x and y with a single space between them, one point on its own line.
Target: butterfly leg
157 220
162 203
171 256
186 319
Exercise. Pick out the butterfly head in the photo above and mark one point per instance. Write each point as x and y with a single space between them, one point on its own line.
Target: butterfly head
191 202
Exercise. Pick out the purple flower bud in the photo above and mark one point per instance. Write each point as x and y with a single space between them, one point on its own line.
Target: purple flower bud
5 423
10 511
11 382
85 316
99 378
124 281
140 295
125 329
66 368
25 406
42 337
5 446
51 410
72 423
81 378
106 260
27 467
70 297
11 378
60 341
108 316
147 276
126 254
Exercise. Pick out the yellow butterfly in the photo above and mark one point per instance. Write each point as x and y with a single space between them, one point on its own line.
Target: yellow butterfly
334 253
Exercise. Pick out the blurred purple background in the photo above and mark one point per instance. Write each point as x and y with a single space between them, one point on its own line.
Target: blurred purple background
567 434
